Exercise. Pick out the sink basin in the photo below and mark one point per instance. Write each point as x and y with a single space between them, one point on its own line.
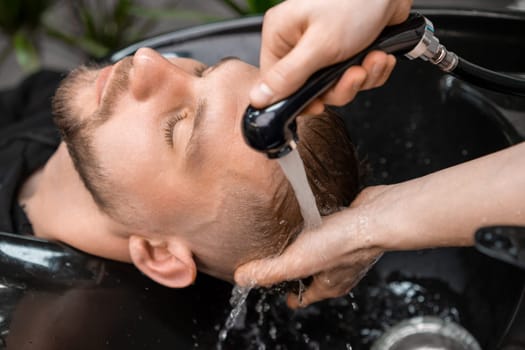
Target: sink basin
420 122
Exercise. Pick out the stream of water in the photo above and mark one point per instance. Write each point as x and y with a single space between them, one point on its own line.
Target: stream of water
237 302
293 168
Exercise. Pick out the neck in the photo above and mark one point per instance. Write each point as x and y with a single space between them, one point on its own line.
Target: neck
60 208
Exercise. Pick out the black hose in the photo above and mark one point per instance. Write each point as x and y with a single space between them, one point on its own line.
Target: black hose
489 79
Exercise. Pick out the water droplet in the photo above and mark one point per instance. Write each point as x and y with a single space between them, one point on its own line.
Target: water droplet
306 338
355 307
223 334
273 332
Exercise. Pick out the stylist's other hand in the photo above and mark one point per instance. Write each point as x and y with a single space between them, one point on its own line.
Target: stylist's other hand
337 255
300 37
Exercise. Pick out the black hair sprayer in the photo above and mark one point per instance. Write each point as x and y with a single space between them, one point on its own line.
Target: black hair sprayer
273 130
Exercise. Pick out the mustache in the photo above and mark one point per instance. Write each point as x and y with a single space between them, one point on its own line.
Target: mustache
117 84
67 114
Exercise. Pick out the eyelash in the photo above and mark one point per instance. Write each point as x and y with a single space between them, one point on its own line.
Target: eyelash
170 125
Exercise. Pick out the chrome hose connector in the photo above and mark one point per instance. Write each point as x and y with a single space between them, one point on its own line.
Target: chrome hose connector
429 49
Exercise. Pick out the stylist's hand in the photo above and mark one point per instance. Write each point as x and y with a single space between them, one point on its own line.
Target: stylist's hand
301 36
337 255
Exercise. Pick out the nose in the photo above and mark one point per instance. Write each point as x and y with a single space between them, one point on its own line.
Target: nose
154 74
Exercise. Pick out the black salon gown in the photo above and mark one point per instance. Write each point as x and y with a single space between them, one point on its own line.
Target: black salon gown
28 138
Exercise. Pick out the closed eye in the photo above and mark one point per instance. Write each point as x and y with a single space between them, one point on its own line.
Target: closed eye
202 70
170 126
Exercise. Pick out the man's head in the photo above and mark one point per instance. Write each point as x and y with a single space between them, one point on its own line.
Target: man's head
157 143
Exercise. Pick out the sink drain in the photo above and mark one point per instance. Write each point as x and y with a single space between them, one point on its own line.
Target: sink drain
426 333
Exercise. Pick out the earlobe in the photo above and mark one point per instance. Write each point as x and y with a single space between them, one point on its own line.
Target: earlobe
169 263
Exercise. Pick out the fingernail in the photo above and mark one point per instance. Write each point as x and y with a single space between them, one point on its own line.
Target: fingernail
242 279
357 85
245 280
261 94
377 69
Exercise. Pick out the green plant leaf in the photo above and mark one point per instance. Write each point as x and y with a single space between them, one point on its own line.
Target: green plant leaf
87 45
260 6
22 14
88 22
121 12
10 13
92 47
236 8
25 52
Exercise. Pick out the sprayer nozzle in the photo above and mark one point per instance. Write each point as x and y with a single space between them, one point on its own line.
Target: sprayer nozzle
272 130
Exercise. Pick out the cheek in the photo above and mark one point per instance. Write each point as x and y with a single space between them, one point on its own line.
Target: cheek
120 147
153 194
128 155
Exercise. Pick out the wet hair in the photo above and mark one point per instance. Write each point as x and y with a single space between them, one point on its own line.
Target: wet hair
269 222
333 171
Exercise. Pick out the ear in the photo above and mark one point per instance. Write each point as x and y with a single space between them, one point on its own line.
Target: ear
169 263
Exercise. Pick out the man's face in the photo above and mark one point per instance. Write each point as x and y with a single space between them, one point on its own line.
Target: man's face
171 144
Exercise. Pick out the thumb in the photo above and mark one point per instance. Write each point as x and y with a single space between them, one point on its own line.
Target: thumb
267 272
287 74
297 261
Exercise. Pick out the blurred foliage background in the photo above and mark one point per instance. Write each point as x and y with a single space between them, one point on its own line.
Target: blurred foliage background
93 28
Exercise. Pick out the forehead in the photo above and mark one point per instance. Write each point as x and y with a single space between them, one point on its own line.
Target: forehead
132 147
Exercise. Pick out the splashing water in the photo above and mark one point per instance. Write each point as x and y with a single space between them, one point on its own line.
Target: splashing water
237 302
293 168
266 323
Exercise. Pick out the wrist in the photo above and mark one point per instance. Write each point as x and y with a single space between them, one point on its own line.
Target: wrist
395 217
370 212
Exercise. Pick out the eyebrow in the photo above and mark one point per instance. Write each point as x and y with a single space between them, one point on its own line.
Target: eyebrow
223 61
192 148
198 119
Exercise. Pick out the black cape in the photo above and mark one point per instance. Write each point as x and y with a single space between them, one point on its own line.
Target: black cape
28 138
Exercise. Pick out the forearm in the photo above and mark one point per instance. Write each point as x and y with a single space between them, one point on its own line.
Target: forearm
445 208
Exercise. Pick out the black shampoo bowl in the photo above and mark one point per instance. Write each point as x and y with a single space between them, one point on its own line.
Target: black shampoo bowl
421 121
